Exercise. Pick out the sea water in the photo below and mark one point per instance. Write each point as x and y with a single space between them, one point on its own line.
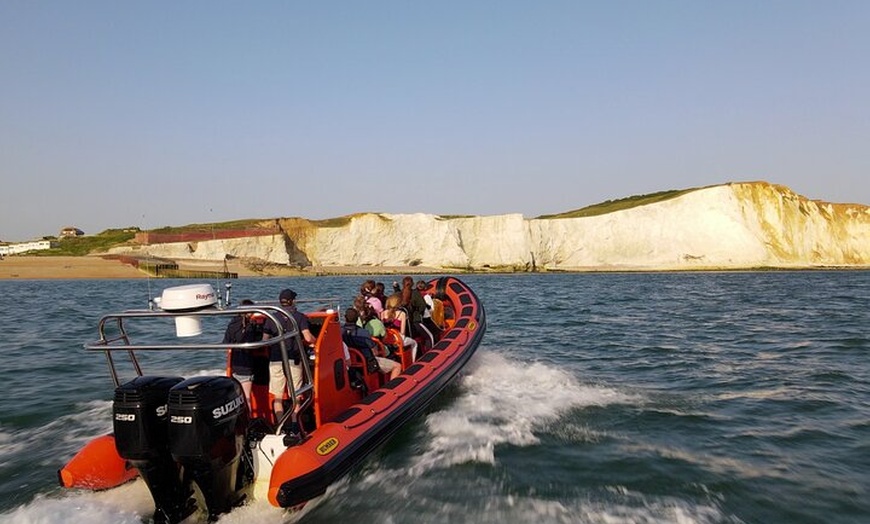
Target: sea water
603 398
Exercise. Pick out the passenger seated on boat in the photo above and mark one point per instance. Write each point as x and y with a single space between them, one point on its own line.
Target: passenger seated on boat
376 328
428 319
372 323
243 328
367 353
379 294
358 338
368 319
367 290
396 318
393 301
277 380
359 303
413 302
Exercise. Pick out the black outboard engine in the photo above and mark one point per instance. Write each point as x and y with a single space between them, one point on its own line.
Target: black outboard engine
208 419
140 417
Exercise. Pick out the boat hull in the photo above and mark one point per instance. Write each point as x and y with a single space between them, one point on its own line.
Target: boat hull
305 471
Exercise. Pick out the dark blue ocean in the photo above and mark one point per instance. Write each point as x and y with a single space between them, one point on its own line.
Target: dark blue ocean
600 398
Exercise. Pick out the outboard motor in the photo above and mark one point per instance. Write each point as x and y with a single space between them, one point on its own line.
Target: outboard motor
140 417
208 419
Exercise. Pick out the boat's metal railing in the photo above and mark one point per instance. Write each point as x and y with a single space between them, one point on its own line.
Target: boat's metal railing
121 341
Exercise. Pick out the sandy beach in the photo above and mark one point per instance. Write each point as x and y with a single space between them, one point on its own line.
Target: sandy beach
95 267
27 267
30 267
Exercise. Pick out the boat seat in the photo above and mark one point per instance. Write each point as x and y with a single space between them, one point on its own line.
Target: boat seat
358 366
394 339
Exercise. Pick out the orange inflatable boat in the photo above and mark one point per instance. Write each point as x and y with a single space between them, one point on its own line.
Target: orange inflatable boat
205 444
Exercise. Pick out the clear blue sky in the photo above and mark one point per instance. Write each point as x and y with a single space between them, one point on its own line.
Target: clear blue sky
115 114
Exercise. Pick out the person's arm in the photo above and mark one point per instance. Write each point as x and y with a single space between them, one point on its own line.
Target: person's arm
305 329
269 330
403 320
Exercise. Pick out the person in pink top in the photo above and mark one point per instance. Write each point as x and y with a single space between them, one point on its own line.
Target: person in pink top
395 317
367 290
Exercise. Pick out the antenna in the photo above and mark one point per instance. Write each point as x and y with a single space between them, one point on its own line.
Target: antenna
150 296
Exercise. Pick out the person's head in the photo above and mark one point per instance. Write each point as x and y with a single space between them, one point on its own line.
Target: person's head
367 312
379 288
408 281
287 297
252 316
359 302
351 315
367 288
247 302
393 301
421 285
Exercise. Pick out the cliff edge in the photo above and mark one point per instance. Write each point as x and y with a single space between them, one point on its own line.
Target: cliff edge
731 226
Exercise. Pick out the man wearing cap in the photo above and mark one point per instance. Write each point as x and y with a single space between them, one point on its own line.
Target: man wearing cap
277 380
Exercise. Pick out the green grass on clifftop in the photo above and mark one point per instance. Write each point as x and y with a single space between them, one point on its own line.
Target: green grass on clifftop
609 206
85 245
208 228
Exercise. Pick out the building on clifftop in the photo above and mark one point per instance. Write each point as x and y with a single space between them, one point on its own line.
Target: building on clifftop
68 232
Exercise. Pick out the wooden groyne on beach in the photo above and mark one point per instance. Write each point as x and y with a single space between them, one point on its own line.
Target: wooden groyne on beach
160 268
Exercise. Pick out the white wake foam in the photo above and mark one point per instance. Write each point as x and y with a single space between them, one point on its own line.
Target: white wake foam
504 401
60 438
125 504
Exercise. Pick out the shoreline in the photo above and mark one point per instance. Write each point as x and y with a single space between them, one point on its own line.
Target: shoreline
96 267
84 267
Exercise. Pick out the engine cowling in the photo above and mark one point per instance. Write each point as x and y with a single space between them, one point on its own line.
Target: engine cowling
208 420
140 418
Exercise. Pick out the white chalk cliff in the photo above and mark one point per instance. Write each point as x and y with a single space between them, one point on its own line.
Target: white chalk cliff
730 226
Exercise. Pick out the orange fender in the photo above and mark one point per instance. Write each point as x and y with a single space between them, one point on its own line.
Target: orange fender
97 466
